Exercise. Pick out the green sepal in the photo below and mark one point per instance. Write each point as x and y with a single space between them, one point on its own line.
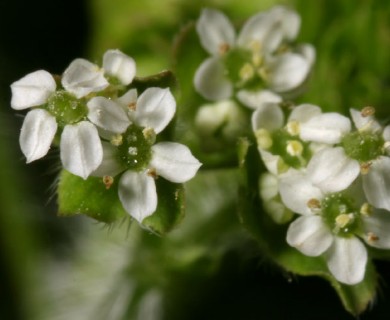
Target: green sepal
170 208
272 238
89 197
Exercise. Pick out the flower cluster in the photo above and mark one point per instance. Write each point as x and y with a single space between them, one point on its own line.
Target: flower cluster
103 128
260 58
334 175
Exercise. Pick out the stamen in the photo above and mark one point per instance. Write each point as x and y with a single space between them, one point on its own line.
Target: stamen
149 135
372 237
294 148
263 137
116 140
247 72
223 48
366 209
132 106
152 173
343 220
314 205
133 151
108 181
367 111
293 127
365 167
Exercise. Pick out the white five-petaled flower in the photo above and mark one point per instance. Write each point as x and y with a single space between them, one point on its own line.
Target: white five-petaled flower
80 145
131 124
332 227
263 54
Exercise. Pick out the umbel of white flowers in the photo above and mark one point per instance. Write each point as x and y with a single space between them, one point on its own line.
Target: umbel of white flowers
260 57
62 108
337 179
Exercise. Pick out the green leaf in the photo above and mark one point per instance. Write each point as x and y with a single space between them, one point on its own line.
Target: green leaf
272 238
89 197
170 209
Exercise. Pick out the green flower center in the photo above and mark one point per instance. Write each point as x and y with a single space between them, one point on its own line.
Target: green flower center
363 146
240 68
340 215
134 148
66 108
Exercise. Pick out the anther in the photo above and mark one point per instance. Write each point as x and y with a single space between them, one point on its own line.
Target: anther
372 237
314 204
149 135
367 111
366 209
247 72
293 127
132 106
223 48
294 148
116 140
151 172
365 167
108 181
343 220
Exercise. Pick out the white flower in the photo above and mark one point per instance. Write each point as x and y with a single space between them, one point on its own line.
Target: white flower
305 124
332 225
259 40
132 124
362 151
81 150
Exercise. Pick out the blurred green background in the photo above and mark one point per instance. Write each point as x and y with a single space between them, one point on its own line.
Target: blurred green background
75 268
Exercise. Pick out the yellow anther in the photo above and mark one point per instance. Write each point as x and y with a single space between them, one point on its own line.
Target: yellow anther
366 209
264 139
367 111
344 219
108 181
132 106
149 135
247 72
293 127
294 148
116 140
365 167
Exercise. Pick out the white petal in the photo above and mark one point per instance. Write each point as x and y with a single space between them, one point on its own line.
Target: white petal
211 81
174 162
270 161
289 20
32 90
262 29
287 71
155 109
37 134
119 65
107 115
110 165
81 149
268 116
331 170
304 113
347 259
130 97
376 183
214 30
296 190
137 193
268 186
378 225
309 235
364 123
255 99
386 133
308 52
325 128
83 77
